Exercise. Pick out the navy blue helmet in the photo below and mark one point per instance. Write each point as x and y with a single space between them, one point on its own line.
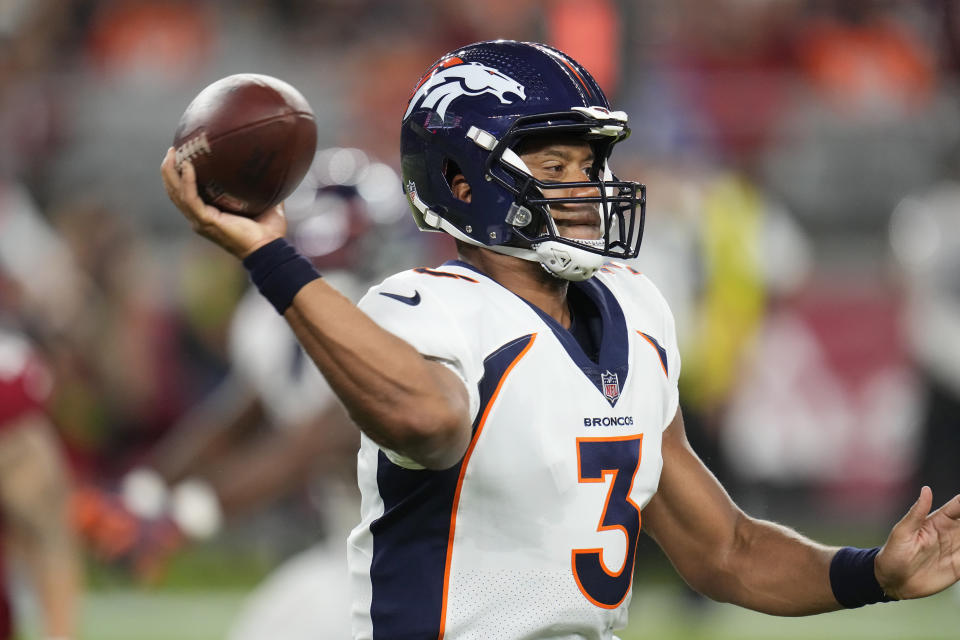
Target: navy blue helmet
468 114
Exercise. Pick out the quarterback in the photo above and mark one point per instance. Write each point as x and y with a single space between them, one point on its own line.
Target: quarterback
519 405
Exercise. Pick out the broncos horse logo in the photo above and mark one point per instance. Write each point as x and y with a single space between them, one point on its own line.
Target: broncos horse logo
457 78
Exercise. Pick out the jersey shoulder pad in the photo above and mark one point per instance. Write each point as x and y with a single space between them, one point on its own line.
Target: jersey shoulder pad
430 309
422 292
630 281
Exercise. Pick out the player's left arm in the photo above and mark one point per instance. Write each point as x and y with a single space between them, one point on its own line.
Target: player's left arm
731 557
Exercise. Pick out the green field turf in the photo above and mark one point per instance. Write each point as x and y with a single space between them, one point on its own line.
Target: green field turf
140 615
205 587
656 614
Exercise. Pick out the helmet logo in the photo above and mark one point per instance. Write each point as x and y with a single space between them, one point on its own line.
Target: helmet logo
464 79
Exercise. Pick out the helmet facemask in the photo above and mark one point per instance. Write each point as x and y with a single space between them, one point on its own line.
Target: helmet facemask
534 233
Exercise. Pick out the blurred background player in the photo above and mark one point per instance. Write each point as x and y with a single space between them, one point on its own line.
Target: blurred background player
927 251
34 490
271 425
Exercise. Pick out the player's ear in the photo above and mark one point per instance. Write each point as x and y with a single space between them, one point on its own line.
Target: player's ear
461 188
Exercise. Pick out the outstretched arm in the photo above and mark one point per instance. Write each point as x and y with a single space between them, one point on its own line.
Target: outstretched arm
731 557
401 400
724 553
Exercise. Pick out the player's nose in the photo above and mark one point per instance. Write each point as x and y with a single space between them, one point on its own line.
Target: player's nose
583 190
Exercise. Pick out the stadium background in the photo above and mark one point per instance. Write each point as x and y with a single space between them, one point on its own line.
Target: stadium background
801 160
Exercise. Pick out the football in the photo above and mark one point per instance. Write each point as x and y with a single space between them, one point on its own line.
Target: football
251 139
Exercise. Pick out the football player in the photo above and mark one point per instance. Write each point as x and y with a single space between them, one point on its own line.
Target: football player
34 489
519 405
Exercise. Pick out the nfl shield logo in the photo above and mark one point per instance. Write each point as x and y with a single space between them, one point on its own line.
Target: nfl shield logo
611 386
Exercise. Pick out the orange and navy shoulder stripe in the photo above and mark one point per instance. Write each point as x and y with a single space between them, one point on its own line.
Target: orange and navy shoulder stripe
610 267
661 352
443 274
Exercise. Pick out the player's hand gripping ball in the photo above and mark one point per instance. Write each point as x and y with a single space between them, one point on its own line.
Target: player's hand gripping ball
251 139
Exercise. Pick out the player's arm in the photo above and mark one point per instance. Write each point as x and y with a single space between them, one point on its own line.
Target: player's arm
33 499
226 414
730 557
401 400
722 552
271 463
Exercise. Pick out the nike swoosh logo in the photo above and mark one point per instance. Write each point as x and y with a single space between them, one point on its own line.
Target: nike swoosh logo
413 300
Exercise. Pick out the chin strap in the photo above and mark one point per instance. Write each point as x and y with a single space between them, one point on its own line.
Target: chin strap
569 263
558 259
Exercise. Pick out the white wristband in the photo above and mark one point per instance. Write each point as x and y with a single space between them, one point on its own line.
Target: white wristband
195 508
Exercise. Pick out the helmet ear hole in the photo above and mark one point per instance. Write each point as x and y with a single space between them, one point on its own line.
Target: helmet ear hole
450 170
459 187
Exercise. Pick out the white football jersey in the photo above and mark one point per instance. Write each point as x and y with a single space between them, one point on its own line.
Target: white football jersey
533 533
265 353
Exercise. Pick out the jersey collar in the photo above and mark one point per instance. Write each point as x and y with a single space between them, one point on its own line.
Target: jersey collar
612 366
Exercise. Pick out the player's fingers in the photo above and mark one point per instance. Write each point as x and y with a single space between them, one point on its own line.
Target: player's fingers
918 512
169 173
188 179
952 508
169 162
188 190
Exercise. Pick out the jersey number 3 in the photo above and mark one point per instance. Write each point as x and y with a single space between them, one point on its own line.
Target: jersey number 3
598 458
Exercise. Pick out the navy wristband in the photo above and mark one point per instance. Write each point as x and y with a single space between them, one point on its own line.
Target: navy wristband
852 578
279 272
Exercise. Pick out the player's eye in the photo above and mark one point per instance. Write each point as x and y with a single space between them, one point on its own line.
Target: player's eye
551 171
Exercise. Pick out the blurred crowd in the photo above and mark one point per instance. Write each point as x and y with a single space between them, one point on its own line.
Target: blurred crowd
803 168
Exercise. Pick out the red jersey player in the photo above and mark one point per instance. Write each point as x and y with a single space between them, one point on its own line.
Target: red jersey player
34 491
